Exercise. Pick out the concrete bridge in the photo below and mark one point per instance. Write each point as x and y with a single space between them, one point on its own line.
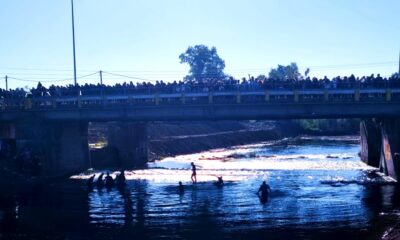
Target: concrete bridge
57 127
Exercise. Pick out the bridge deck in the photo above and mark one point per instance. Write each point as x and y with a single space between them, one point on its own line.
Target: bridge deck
277 104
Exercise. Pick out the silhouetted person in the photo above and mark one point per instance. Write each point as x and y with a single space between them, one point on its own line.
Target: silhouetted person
109 181
264 190
219 182
120 179
100 182
193 177
90 182
181 188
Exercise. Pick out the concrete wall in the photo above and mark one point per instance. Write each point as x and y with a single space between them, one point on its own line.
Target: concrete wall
130 140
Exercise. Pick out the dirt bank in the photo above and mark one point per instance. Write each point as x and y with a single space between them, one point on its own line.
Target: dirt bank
185 138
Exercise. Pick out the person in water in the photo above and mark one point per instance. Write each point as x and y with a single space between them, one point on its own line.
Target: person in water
264 190
90 181
109 180
193 177
100 182
181 188
219 182
120 179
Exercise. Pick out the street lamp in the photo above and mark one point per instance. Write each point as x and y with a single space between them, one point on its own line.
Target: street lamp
73 39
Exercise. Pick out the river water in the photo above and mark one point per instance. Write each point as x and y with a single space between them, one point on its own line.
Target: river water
320 190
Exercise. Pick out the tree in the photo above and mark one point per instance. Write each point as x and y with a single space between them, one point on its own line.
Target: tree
285 72
205 64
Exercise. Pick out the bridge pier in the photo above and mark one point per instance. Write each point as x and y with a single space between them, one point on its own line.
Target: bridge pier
130 139
380 145
61 147
390 150
370 132
7 142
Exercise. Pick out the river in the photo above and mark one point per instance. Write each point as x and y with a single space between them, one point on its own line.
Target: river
320 190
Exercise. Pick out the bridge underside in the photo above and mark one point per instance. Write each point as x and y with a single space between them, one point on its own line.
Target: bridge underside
62 147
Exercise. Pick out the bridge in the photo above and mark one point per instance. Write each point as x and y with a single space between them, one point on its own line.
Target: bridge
254 105
56 127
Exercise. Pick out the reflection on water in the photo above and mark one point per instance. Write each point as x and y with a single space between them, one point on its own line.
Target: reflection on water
320 189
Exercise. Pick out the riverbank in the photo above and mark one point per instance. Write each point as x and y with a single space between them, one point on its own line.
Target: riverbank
168 139
171 139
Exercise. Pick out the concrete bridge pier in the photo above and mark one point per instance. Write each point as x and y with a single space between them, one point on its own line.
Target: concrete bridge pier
390 150
371 142
62 147
130 139
7 142
380 145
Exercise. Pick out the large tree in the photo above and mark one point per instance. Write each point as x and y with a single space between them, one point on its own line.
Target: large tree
285 72
205 64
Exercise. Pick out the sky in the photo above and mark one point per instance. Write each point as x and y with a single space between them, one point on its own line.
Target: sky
143 39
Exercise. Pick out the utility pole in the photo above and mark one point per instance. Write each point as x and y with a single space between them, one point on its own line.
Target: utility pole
399 64
101 77
6 83
73 39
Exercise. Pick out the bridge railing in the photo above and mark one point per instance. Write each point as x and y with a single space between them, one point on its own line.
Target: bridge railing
224 97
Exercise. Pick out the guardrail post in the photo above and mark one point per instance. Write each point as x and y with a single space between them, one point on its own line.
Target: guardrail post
357 95
388 95
79 101
296 96
238 98
130 99
103 100
326 95
210 98
183 100
267 96
28 103
54 102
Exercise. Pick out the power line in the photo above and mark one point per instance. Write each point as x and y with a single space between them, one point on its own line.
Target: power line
125 76
54 80
388 63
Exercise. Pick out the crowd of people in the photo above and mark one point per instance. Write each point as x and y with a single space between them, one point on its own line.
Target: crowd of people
210 85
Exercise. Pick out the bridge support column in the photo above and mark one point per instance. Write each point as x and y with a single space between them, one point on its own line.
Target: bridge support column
390 150
61 147
130 139
7 142
371 142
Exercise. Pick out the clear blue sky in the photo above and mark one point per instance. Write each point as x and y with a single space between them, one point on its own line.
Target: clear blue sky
143 38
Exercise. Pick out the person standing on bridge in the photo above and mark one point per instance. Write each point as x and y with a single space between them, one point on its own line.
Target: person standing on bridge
193 177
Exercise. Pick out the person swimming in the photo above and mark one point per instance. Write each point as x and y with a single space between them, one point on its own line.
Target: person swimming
109 181
219 182
264 190
181 188
120 179
99 182
90 182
